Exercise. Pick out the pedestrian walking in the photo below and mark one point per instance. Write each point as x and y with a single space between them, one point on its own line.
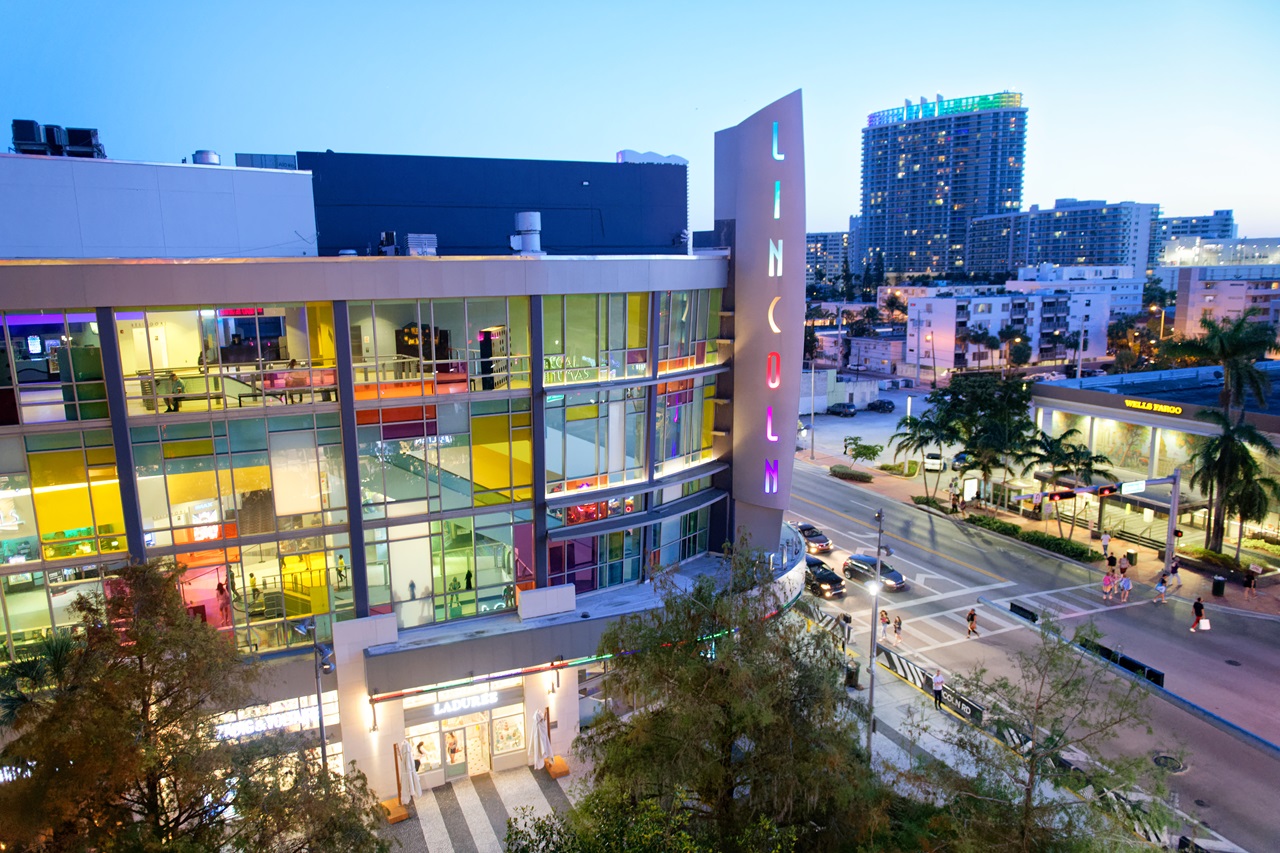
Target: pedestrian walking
972 620
1111 561
884 624
1125 585
938 681
1161 586
1108 584
897 630
1124 563
1173 573
1198 609
1106 544
1250 586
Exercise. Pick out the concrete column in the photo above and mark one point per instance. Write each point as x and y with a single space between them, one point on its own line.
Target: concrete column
351 457
117 408
538 422
372 751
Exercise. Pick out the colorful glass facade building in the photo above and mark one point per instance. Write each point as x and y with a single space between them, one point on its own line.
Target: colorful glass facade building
459 465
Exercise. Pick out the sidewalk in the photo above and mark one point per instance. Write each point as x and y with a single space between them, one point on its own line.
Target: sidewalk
1146 570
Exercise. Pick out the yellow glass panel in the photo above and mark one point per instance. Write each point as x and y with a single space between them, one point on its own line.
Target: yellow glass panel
104 488
522 460
60 491
491 452
637 320
193 486
252 477
582 413
184 449
320 334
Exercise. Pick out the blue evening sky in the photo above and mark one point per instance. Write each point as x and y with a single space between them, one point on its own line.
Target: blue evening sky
1170 102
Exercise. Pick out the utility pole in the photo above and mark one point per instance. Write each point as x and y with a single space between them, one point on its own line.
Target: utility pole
875 585
917 344
1170 537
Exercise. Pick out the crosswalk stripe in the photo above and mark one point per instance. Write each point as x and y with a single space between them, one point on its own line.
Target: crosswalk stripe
486 841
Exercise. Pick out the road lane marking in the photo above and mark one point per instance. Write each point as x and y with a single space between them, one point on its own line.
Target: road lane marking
901 539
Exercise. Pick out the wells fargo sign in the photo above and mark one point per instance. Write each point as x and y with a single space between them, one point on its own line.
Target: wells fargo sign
1153 406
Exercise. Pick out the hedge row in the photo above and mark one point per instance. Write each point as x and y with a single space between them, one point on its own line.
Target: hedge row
844 472
1066 547
925 500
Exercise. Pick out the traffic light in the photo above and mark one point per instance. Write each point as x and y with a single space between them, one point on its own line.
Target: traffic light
1103 491
1177 534
1054 497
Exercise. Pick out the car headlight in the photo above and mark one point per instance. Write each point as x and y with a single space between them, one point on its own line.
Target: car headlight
826 586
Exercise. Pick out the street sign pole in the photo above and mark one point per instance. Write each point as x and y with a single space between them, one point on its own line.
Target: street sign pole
1170 537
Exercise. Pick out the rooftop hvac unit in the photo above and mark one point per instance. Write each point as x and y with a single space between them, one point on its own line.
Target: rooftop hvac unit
204 157
422 245
28 137
83 142
55 137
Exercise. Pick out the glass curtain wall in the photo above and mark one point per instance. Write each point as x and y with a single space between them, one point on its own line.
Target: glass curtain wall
51 368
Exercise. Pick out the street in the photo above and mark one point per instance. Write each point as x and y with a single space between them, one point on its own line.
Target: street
1230 671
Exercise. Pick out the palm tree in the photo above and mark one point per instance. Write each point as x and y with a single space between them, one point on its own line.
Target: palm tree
41 672
1084 465
920 433
1222 460
1008 335
1236 345
895 306
1046 451
1250 500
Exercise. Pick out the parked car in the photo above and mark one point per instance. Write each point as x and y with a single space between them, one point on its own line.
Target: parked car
816 542
880 406
861 567
820 580
844 410
933 462
959 461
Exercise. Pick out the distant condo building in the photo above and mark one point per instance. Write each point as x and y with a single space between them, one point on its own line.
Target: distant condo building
928 169
1221 225
826 251
1071 233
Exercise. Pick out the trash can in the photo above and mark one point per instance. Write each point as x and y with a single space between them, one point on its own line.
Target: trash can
1132 556
1219 585
851 674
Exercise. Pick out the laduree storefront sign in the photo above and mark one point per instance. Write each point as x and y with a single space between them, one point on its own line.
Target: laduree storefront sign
465 703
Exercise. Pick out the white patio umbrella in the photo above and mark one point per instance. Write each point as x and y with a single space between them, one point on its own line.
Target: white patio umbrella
540 743
411 785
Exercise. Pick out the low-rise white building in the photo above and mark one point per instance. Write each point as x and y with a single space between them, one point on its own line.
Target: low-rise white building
1120 282
942 328
1222 293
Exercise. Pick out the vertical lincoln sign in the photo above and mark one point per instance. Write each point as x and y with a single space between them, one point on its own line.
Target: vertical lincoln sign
760 186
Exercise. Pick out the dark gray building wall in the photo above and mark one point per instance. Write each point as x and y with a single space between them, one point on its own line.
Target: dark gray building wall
471 203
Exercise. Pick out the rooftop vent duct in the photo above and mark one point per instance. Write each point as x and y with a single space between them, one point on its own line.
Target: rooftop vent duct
528 237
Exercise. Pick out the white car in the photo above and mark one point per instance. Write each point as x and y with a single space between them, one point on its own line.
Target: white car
933 462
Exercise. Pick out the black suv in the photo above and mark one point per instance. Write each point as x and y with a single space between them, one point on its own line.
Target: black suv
820 580
863 568
880 406
815 541
844 410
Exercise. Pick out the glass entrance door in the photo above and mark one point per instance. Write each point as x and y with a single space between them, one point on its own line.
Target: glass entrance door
455 752
466 745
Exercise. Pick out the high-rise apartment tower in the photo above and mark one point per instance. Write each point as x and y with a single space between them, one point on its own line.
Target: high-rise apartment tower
929 168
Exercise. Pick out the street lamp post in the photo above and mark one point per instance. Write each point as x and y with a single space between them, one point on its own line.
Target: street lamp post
1161 309
874 586
324 665
917 345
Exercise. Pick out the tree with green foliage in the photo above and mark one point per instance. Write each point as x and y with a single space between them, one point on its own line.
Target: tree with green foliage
1060 710
744 716
1222 460
1009 335
1236 344
1085 467
859 452
810 342
1020 354
895 305
1153 293
1249 499
1052 452
920 434
990 417
112 740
